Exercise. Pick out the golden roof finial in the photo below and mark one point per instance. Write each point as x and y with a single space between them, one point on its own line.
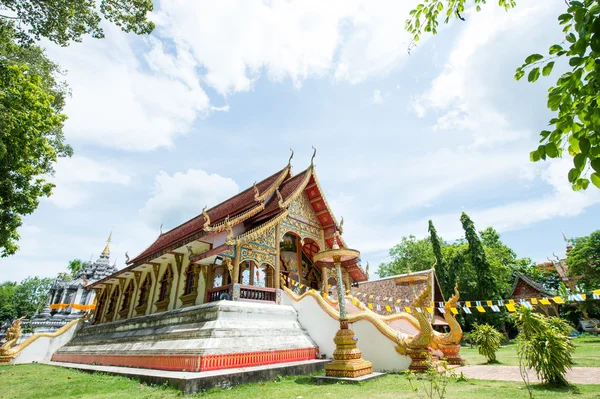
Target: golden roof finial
106 250
313 156
256 193
206 218
291 156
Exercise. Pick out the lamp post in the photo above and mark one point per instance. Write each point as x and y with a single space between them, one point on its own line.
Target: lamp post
347 358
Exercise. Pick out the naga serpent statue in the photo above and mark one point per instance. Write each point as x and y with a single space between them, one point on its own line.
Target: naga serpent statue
12 335
449 343
417 346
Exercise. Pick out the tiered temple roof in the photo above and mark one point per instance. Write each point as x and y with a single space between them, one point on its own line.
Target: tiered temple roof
248 213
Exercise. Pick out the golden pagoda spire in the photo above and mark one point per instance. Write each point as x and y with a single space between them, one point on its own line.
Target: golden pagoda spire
106 250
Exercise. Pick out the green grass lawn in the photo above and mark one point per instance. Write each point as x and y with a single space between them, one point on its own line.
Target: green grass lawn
39 381
587 353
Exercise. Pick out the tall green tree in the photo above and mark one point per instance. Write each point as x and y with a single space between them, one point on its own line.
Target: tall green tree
440 268
32 97
574 98
409 254
486 280
584 260
31 137
63 21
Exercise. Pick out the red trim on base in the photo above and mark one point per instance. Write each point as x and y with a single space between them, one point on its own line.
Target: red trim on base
191 362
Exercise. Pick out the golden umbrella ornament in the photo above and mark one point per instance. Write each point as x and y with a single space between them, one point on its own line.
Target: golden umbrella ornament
347 358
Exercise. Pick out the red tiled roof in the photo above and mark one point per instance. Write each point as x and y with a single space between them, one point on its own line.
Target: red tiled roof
231 207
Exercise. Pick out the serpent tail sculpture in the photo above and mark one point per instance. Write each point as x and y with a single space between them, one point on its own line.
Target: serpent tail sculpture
449 343
417 345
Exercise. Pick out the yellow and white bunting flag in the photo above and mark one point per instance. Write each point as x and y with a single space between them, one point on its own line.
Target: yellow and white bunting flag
558 299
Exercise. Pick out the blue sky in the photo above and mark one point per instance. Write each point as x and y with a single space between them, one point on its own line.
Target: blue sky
215 98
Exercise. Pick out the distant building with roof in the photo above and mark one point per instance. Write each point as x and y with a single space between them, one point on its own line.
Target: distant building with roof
404 287
65 293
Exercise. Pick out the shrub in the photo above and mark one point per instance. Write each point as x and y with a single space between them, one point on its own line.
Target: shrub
488 340
544 345
433 382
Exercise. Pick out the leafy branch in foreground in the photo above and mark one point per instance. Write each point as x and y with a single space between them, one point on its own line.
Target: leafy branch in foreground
575 96
63 21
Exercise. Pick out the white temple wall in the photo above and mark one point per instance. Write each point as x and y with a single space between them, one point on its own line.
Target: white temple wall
375 347
43 348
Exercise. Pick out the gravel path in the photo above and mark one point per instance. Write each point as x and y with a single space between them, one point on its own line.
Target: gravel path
578 375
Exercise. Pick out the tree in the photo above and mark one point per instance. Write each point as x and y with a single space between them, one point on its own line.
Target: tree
63 21
486 280
440 269
75 266
31 101
544 345
574 97
32 97
584 260
7 307
410 254
488 341
23 299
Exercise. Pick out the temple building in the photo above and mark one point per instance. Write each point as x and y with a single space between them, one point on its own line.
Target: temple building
69 299
242 250
525 288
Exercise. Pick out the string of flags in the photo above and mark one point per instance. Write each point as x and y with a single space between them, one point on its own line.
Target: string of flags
394 305
468 307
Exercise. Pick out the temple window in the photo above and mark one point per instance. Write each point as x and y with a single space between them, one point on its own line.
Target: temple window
164 285
190 280
218 276
127 297
113 302
190 291
164 293
246 273
145 291
260 276
100 307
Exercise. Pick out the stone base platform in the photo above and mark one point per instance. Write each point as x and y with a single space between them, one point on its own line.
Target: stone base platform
213 336
191 383
323 378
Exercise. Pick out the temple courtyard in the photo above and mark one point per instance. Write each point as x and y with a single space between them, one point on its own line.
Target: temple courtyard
45 381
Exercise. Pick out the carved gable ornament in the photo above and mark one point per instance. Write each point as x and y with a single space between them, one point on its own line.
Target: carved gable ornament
301 210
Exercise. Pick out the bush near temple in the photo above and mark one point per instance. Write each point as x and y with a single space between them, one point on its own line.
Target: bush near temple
488 340
544 345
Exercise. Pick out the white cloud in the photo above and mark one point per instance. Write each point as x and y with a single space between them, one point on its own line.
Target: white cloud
235 41
139 94
182 196
377 97
122 101
74 177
